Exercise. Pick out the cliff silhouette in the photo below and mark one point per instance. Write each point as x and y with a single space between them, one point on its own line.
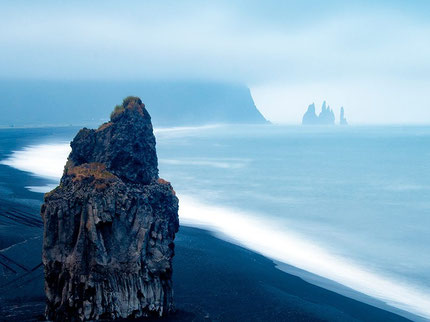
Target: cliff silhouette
173 103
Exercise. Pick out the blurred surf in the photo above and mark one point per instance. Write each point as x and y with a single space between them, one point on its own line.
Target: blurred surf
348 204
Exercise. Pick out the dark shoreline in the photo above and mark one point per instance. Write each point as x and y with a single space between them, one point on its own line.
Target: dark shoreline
216 281
243 285
213 279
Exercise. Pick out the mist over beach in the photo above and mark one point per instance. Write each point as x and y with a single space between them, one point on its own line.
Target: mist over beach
246 153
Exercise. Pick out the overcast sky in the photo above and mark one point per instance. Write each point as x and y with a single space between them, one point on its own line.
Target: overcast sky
372 57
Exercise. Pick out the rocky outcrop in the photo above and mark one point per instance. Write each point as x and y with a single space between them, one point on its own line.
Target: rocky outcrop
310 116
326 116
109 226
342 120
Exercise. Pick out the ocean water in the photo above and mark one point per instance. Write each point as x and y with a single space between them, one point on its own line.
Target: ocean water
350 204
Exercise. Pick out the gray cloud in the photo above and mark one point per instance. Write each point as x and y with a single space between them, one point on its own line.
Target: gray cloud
275 43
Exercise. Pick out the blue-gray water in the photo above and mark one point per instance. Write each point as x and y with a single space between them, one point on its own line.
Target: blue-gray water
355 199
362 190
363 193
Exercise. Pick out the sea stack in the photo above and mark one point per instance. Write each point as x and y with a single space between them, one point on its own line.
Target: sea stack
326 116
310 117
109 226
342 120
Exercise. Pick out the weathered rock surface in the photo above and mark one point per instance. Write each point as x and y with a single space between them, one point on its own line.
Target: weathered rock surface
126 145
110 225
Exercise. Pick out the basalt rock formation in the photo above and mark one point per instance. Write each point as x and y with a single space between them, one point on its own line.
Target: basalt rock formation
310 116
326 116
342 119
110 225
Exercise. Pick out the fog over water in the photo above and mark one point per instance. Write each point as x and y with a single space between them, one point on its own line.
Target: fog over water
370 57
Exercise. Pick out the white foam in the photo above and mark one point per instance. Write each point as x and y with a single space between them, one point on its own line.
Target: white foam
44 160
261 236
181 131
185 128
214 163
42 189
287 247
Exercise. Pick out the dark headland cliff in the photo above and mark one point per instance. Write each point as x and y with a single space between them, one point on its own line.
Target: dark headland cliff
173 103
109 226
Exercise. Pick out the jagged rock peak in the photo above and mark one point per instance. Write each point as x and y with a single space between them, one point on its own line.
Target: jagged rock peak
310 116
109 226
323 107
325 117
130 103
126 144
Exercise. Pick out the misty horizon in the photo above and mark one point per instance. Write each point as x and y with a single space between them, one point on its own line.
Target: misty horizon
371 58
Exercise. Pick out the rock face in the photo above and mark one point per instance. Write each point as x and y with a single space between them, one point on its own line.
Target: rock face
110 225
326 116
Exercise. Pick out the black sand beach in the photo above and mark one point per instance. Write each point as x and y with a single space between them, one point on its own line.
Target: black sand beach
213 279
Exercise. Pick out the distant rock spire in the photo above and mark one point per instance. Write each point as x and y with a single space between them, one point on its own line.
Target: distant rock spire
342 120
325 117
323 108
310 116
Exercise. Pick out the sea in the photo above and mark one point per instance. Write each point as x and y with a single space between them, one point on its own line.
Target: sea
349 204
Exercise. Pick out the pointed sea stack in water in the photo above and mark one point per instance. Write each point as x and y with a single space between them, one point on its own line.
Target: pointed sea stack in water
326 116
310 116
110 225
342 120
